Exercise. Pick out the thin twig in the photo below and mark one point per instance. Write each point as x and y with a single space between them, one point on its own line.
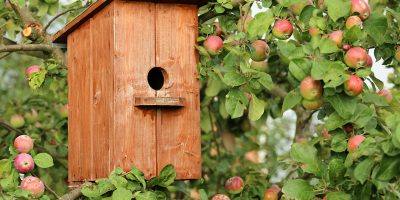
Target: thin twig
10 128
5 55
23 13
57 16
48 188
26 47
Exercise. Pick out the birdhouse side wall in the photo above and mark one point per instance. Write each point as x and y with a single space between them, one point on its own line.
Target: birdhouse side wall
91 85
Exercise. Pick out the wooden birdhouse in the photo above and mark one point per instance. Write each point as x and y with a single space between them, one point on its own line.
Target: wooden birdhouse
133 89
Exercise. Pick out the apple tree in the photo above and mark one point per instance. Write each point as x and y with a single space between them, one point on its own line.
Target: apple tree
291 103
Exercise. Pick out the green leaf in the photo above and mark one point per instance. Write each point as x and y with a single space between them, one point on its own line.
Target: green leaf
376 26
214 86
43 160
257 108
362 115
298 189
338 196
103 186
122 194
148 195
374 98
136 175
289 50
345 106
167 176
234 79
36 79
299 68
363 170
332 73
334 121
337 8
236 103
326 45
291 100
307 154
265 80
389 168
339 142
260 24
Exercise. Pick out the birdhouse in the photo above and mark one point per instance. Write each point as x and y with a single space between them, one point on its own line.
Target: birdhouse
133 89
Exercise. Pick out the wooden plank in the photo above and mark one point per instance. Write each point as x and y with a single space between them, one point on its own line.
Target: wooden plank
79 79
133 58
159 101
102 43
178 139
61 36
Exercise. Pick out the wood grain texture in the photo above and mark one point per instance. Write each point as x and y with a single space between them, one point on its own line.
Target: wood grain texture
178 139
102 97
61 35
79 130
134 57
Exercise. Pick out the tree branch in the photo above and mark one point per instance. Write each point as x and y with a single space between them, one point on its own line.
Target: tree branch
73 194
56 17
23 13
26 47
36 54
10 128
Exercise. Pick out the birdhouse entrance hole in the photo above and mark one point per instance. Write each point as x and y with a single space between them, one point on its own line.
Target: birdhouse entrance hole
156 78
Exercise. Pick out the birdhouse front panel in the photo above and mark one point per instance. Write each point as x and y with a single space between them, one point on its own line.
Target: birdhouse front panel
134 90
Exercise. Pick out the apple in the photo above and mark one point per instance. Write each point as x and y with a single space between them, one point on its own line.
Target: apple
218 29
348 128
356 57
353 21
312 104
283 29
354 142
387 94
17 121
259 50
23 163
23 144
361 8
33 185
397 54
63 111
346 47
369 61
234 185
354 85
243 22
220 197
213 44
310 89
31 117
252 156
31 70
261 66
272 193
313 31
297 8
337 37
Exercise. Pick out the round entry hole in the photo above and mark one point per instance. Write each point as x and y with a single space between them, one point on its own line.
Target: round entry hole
156 78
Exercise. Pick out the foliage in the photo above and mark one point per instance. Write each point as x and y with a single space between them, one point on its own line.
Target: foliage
243 131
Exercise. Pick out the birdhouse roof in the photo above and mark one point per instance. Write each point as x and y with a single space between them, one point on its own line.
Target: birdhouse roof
61 35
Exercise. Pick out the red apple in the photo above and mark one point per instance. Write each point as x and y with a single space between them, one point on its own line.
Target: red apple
346 47
310 89
356 57
218 29
23 163
337 37
353 21
283 29
354 85
32 69
354 142
369 62
348 128
259 50
252 156
234 185
313 31
272 193
387 94
360 7
17 121
23 143
312 104
220 197
213 44
33 185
